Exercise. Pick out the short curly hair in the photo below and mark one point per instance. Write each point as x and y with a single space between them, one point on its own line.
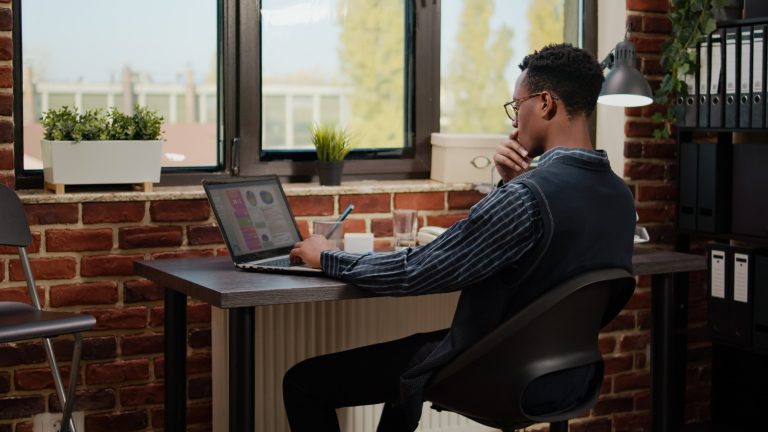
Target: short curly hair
571 73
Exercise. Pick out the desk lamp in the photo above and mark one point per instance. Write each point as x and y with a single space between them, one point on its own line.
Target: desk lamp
624 86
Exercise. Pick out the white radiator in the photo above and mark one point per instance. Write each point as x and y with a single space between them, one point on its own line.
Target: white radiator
287 334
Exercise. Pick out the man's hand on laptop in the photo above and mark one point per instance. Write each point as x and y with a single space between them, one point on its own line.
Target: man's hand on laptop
511 158
308 251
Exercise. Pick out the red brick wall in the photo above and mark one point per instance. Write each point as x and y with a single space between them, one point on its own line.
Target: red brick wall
6 95
82 255
651 171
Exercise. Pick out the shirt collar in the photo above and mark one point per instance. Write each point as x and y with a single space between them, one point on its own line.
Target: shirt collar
594 156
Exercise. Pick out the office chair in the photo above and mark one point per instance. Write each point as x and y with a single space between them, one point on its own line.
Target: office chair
506 379
20 321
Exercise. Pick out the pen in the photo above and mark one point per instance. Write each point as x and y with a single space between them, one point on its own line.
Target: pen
343 216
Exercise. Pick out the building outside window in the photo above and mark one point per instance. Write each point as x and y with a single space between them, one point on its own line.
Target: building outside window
369 66
482 43
90 54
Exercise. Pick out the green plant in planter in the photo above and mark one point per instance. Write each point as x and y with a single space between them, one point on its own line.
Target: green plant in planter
64 124
147 124
60 124
90 126
331 143
121 126
691 21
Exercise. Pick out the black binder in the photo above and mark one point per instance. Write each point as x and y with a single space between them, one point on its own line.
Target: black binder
731 293
703 93
749 210
717 79
742 295
680 110
685 106
689 183
714 188
718 269
745 77
758 76
760 310
690 109
730 107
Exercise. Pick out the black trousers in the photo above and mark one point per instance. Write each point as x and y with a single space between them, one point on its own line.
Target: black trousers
314 388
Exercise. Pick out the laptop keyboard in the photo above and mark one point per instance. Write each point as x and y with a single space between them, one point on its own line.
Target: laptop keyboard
282 262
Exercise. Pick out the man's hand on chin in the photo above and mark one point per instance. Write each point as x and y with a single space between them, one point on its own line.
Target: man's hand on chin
308 251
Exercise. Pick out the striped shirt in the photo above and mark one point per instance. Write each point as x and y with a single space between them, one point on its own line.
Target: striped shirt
497 234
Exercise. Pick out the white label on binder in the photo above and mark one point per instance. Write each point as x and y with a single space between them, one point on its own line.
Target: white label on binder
757 63
740 277
730 63
690 78
745 44
703 69
714 82
718 274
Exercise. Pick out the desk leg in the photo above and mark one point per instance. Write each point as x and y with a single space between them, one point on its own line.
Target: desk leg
669 293
242 387
175 325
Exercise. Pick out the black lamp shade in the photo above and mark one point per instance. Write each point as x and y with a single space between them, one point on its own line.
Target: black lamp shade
625 86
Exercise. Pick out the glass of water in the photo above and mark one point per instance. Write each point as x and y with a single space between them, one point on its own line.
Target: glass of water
404 223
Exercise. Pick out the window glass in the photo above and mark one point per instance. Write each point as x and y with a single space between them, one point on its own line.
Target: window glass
335 61
91 54
275 116
482 42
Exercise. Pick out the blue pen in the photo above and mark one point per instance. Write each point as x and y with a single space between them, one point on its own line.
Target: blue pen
343 216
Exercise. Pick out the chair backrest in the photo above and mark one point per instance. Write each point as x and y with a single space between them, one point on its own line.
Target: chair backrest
14 229
554 336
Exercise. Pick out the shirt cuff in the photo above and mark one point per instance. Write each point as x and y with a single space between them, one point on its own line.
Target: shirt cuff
334 263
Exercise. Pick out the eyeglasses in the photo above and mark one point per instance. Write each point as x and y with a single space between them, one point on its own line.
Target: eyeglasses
513 107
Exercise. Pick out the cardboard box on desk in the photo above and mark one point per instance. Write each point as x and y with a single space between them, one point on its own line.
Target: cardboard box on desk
464 158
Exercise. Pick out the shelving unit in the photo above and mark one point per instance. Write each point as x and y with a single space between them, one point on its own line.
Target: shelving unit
723 197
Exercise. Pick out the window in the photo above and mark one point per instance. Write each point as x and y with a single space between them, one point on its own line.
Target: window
242 82
346 67
91 54
334 62
482 43
459 65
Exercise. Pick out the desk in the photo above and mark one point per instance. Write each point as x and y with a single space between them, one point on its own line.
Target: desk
217 282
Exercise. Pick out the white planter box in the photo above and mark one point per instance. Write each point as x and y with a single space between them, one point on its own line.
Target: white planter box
464 158
101 162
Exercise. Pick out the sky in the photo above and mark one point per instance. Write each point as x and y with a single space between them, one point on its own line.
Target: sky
92 40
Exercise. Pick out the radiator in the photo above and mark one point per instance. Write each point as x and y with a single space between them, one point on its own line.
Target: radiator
287 334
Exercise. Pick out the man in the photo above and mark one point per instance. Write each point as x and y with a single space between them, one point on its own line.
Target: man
569 215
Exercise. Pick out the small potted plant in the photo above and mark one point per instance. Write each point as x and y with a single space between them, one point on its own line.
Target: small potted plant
332 145
98 147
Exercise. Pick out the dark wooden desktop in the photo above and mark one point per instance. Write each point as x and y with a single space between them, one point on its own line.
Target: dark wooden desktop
217 282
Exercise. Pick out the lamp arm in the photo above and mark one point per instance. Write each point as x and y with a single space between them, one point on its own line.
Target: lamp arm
607 61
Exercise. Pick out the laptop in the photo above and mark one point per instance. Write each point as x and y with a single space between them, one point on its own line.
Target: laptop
257 224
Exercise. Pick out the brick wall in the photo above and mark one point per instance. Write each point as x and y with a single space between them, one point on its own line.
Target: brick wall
651 171
82 255
6 94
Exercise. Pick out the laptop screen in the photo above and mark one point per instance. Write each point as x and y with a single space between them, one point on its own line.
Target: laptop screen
254 217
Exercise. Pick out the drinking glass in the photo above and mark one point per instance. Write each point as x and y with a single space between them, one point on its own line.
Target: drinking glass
332 230
404 224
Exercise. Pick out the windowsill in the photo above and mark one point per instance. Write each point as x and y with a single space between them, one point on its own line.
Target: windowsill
165 193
